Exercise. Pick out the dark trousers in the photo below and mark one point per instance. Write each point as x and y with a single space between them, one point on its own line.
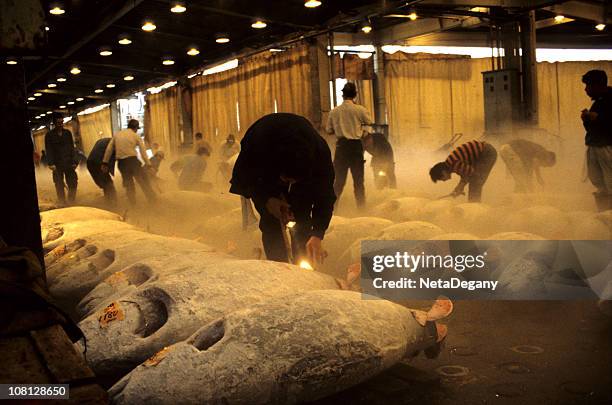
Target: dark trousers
103 180
349 155
482 169
272 231
131 169
71 180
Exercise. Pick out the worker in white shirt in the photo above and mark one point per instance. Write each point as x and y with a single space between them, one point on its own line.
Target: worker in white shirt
347 122
124 144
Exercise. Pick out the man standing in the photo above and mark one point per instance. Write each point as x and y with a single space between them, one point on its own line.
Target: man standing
62 159
598 124
124 145
472 161
523 159
383 162
101 178
347 121
285 167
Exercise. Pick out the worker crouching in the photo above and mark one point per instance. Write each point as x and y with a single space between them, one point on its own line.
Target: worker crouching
383 164
285 167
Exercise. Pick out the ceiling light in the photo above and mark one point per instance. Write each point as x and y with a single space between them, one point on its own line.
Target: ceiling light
127 78
168 62
312 3
105 52
178 7
124 40
61 79
51 85
600 27
110 85
193 52
559 18
49 112
62 106
276 50
75 70
46 28
37 117
70 102
366 27
43 114
11 61
222 39
31 98
79 99
148 26
98 91
413 15
259 24
57 10
37 94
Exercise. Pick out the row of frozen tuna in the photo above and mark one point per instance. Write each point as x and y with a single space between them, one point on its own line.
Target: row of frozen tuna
179 320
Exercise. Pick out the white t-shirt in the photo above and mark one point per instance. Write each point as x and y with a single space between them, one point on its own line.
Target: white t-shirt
347 120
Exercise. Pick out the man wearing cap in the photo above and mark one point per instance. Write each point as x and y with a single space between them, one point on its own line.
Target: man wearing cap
285 167
347 122
62 159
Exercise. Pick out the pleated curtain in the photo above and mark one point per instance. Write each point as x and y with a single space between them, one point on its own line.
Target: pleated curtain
163 119
93 127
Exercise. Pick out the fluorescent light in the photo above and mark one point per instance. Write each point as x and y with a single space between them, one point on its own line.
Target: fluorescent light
11 62
70 103
148 26
124 41
222 39
57 10
49 112
193 52
127 78
51 85
366 28
37 94
31 98
61 79
106 52
46 28
259 24
559 18
62 106
98 91
75 70
413 16
110 85
80 99
178 8
600 27
168 62
312 3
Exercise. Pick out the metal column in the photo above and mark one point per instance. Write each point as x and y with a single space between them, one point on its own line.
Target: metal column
380 102
529 68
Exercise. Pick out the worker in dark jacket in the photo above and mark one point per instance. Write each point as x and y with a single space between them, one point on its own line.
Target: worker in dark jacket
473 162
598 124
94 166
383 164
285 167
62 159
523 159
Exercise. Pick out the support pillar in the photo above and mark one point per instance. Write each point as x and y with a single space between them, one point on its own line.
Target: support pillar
529 68
319 82
380 101
115 117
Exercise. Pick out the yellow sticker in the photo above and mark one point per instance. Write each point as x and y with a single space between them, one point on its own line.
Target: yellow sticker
111 313
59 251
116 278
157 357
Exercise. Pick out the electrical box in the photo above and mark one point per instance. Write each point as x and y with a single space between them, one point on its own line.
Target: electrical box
502 101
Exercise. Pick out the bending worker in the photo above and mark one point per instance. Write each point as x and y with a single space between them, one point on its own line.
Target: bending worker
102 178
124 144
523 159
382 163
285 167
472 161
347 122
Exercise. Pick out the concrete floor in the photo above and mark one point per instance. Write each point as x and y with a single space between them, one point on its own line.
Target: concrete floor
505 353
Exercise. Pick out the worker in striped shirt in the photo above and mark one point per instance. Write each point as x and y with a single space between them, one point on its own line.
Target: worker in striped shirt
472 161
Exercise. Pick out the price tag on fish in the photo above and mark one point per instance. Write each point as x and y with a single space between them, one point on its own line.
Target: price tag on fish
157 357
111 313
59 251
117 278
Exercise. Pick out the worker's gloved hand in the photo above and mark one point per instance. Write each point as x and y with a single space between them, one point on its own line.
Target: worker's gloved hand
104 168
52 167
280 209
315 251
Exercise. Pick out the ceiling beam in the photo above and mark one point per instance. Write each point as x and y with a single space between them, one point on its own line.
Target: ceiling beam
107 22
550 22
584 10
526 4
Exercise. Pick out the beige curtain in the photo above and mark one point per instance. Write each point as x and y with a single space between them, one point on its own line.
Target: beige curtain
163 119
38 137
93 127
365 95
230 101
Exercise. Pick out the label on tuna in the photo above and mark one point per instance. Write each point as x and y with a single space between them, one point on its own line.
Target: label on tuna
59 251
111 313
157 357
116 278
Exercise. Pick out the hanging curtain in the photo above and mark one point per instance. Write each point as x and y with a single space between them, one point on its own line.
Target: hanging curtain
163 119
38 137
255 96
365 95
93 127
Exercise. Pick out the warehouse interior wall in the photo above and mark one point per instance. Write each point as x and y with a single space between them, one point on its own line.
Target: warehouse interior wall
93 127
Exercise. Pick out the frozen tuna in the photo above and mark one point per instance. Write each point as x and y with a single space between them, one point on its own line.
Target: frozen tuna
401 209
57 236
63 216
289 350
169 310
541 220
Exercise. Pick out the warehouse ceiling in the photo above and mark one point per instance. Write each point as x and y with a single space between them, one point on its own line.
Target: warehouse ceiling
104 41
